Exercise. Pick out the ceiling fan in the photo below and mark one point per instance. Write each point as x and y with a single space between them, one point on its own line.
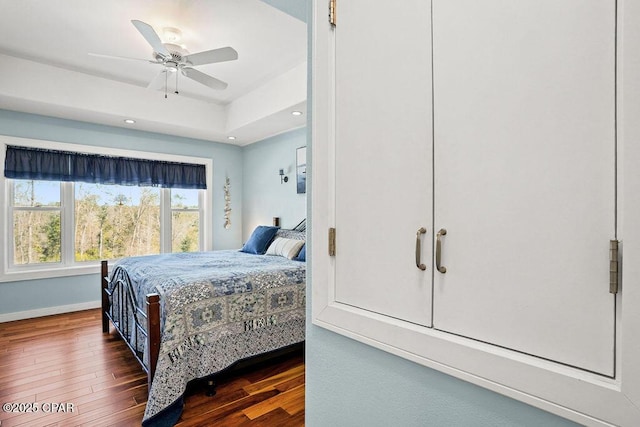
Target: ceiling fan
175 58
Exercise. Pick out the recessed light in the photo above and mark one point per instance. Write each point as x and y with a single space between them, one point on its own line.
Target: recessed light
296 113
231 138
129 121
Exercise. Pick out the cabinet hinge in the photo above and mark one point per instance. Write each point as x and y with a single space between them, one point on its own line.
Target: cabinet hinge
332 12
613 266
332 242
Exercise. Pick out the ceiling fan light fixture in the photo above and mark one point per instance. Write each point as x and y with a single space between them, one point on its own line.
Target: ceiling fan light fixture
173 57
172 35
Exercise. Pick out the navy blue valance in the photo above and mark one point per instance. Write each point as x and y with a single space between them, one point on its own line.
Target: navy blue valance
54 165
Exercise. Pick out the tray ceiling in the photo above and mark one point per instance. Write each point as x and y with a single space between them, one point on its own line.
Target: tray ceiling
47 69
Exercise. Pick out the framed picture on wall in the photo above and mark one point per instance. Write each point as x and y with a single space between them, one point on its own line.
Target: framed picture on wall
301 170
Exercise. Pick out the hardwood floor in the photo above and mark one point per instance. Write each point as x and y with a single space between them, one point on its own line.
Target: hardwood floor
79 376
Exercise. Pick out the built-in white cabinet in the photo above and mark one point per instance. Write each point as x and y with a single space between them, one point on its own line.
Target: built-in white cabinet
476 119
467 154
524 142
383 159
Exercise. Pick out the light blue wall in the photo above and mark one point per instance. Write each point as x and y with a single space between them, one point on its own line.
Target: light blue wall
295 8
352 384
227 160
263 195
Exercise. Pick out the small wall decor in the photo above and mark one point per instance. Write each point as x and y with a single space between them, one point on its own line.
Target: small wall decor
283 178
301 170
227 204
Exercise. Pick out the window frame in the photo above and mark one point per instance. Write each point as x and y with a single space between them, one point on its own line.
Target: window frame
10 207
68 266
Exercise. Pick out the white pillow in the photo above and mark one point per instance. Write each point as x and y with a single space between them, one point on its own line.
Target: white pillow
287 248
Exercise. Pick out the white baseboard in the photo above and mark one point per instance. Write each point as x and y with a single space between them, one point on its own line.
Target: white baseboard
48 311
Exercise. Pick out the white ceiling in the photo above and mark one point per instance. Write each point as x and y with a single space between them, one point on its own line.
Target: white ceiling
45 66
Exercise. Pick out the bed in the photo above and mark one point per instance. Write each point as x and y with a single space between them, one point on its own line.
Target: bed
188 316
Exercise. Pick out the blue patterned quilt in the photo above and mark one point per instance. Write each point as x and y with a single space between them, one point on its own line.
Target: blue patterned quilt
217 308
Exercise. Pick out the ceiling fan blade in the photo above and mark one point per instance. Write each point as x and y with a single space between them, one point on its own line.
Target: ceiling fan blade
100 55
212 56
151 37
204 79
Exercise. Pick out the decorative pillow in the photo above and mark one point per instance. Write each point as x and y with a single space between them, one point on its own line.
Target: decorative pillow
287 248
260 239
302 255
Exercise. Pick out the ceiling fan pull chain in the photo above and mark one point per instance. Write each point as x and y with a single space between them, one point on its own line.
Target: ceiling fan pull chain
165 83
176 81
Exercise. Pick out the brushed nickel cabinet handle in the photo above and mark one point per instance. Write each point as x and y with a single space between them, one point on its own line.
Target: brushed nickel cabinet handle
420 265
440 268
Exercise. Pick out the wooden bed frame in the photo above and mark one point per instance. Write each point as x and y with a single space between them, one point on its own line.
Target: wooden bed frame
151 328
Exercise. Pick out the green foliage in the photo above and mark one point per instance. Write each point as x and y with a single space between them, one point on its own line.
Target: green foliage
50 251
186 244
185 231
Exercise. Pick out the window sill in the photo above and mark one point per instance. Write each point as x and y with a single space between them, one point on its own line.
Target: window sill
49 272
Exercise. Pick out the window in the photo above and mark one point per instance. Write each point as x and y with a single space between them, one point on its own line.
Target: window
185 220
37 214
66 226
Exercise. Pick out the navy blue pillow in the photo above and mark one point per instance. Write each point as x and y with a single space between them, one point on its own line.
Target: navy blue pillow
302 255
260 239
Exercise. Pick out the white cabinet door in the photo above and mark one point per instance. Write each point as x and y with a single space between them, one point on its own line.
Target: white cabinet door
383 157
524 101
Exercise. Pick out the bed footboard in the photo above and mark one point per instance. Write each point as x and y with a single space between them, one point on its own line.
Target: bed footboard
129 320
